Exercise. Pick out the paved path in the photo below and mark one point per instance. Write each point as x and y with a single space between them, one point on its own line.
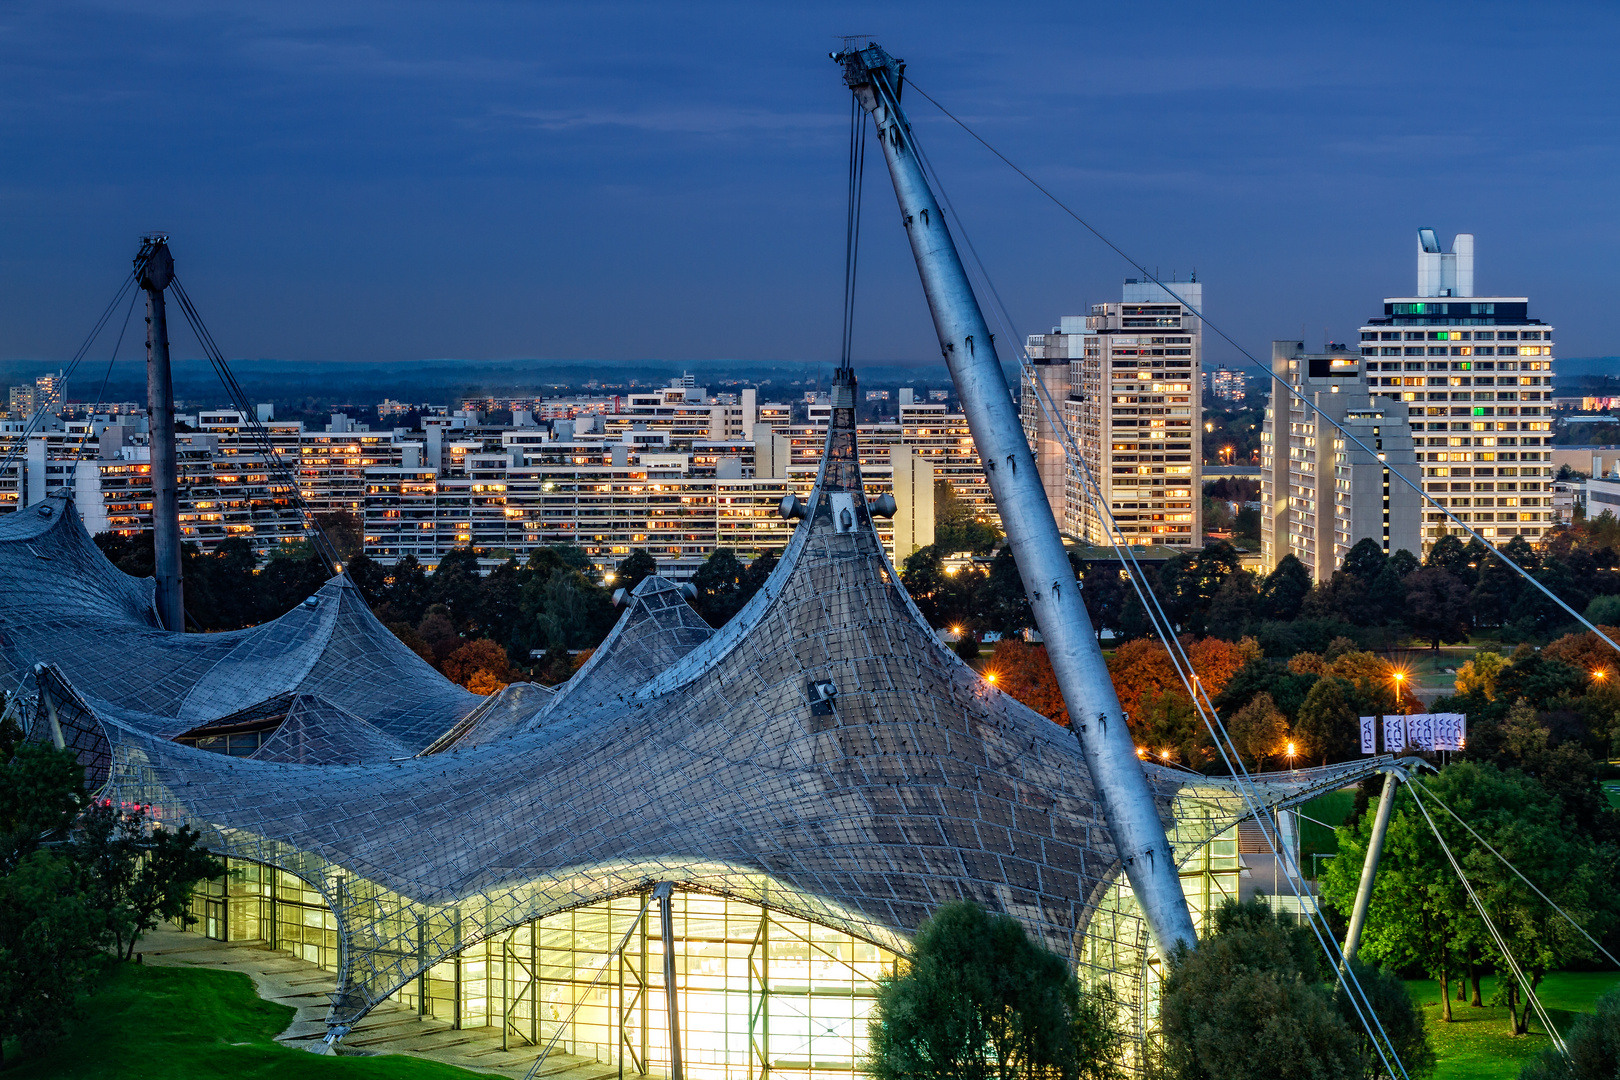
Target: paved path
390 1028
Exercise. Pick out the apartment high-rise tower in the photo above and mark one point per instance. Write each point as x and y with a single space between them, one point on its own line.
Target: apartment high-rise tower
1476 375
1320 493
1128 380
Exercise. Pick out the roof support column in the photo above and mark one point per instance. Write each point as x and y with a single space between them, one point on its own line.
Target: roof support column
154 268
1369 868
665 893
1049 581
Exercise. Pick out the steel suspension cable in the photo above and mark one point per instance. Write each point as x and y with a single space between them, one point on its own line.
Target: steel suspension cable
1271 375
21 445
852 222
101 394
274 462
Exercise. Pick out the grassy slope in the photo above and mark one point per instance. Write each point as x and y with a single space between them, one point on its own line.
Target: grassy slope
1476 1044
162 1023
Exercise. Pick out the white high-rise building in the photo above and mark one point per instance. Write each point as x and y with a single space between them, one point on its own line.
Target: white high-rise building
1476 374
1320 493
1128 381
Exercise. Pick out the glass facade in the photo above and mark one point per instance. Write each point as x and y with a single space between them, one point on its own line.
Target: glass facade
756 988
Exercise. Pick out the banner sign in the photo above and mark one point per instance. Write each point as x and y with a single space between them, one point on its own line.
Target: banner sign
1428 732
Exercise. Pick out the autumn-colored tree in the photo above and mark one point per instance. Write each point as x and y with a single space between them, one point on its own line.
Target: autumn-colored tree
475 657
1142 670
1587 651
1025 672
1155 700
482 682
1307 663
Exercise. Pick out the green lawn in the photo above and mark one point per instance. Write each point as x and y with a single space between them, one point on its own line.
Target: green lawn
1611 788
1476 1044
163 1023
1329 809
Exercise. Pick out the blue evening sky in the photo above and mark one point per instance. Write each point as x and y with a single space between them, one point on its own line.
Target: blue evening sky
617 181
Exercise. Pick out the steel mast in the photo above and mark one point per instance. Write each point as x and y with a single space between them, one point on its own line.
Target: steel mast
154 269
1032 532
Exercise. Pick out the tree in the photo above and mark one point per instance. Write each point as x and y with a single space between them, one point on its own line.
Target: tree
1284 589
1594 1045
1259 729
458 585
636 568
1189 582
944 598
1004 605
1025 672
958 525
475 658
1327 725
46 948
1252 1002
1235 606
1479 674
345 531
1105 591
1156 703
137 873
1604 610
1420 914
41 792
1436 605
1365 561
719 587
292 575
981 1001
406 596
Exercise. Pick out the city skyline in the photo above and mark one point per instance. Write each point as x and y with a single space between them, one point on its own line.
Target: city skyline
421 186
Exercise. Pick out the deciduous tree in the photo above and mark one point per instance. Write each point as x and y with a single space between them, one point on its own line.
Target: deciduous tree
1252 1002
1259 729
980 1001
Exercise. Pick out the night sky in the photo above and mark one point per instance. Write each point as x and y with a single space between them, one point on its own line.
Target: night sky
347 181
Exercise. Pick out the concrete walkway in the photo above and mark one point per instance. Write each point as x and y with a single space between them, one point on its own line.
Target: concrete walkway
390 1028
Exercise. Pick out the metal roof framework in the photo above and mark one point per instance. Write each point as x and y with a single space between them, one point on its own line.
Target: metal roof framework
715 761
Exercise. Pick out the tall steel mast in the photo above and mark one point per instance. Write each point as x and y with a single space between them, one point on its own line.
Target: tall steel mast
1032 532
154 269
